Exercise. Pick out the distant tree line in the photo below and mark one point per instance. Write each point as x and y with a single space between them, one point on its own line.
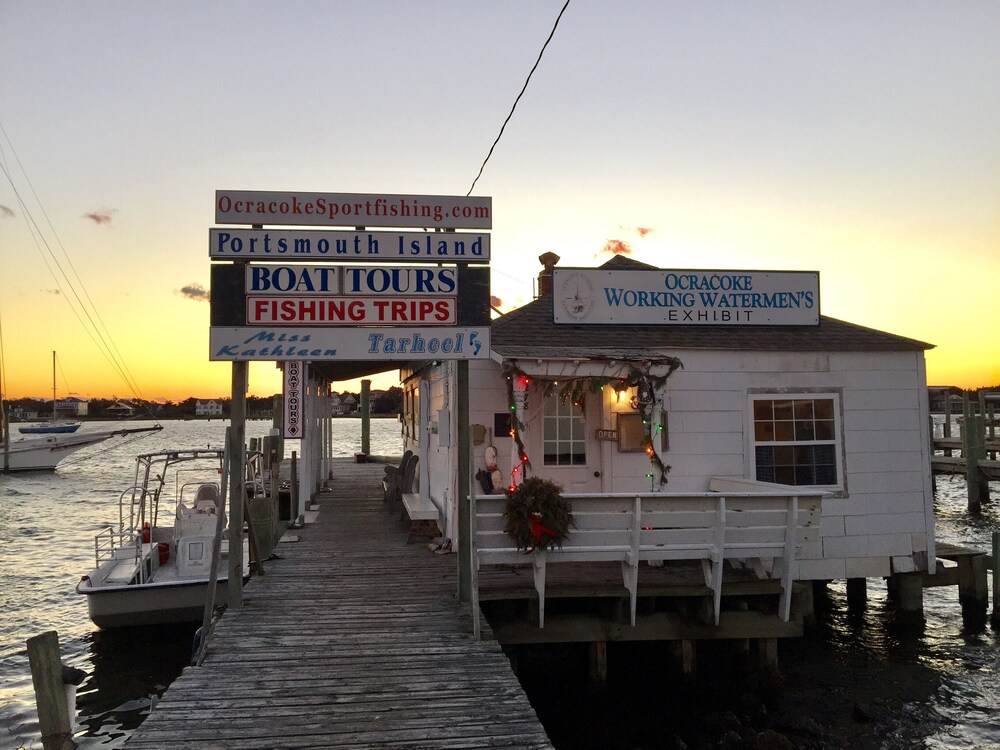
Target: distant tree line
258 407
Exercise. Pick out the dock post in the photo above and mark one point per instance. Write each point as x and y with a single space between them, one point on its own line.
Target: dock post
972 590
995 617
51 696
857 594
974 450
910 598
466 521
366 417
598 664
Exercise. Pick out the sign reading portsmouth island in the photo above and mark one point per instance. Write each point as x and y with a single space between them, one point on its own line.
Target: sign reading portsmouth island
268 343
344 246
353 209
688 297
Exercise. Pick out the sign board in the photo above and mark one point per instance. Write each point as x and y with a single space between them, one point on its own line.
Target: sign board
685 297
298 245
353 209
320 310
292 402
603 434
234 287
295 278
327 344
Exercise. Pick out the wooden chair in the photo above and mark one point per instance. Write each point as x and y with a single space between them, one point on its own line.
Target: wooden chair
393 480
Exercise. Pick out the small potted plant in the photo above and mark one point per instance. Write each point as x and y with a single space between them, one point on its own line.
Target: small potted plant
536 515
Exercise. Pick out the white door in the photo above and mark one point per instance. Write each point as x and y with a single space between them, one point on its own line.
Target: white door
562 444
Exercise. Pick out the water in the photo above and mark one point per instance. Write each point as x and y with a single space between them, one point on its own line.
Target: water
937 689
47 527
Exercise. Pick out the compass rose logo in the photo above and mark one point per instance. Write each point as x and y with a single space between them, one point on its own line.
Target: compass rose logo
576 295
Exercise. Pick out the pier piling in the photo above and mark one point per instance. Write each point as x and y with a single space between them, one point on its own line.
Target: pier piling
52 694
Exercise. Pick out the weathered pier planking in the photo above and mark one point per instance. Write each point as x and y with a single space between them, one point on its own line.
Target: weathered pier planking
352 639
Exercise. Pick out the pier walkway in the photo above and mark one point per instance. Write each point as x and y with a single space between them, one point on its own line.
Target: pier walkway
352 639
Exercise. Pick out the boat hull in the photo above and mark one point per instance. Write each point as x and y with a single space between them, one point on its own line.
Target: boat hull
49 429
44 452
151 604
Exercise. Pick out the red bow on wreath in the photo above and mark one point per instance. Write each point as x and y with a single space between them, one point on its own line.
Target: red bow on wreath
538 529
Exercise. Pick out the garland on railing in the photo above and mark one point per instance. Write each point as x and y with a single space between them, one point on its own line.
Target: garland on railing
576 388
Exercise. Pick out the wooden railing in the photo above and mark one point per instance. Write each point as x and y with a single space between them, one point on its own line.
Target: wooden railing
760 530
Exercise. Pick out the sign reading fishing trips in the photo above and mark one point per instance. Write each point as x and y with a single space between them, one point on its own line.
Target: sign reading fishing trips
685 297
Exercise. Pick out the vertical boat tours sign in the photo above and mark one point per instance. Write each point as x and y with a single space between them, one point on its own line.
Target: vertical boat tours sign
685 297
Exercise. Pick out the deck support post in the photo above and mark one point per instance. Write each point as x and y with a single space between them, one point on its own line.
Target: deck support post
598 664
910 597
973 592
689 661
767 654
857 594
974 451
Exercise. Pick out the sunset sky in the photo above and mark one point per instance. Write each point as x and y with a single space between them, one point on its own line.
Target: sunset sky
855 139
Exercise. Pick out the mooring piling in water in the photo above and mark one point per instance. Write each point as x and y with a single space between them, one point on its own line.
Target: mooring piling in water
55 691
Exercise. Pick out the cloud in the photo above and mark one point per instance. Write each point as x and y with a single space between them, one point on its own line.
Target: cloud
6 213
196 292
643 231
101 216
615 247
495 301
55 292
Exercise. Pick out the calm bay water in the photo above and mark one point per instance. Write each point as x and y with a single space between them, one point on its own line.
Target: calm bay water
937 689
47 526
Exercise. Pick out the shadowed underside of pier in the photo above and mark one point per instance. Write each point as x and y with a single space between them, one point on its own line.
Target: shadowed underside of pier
352 639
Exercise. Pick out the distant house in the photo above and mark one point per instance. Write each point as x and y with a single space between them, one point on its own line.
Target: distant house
210 408
946 396
337 406
71 407
348 404
120 410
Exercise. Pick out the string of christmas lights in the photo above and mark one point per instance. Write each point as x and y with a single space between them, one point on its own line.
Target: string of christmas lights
576 388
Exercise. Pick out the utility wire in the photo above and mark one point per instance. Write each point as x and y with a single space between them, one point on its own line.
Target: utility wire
523 89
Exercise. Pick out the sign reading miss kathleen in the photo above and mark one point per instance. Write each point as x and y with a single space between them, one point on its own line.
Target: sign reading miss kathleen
687 297
353 209
270 343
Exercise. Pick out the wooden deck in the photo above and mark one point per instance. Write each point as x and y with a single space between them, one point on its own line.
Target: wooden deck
353 639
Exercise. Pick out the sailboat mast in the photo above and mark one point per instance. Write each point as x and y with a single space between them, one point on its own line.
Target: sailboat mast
53 385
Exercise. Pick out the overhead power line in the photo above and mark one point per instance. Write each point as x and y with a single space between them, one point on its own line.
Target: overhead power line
523 89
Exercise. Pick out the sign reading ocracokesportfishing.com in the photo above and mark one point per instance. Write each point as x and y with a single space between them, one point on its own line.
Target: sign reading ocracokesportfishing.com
688 297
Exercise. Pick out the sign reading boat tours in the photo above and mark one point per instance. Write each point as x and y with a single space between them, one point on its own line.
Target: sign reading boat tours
687 297
353 209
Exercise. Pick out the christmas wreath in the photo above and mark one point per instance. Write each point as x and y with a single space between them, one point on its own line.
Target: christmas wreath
536 515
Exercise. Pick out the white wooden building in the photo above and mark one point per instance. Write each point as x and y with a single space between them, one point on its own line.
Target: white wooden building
835 407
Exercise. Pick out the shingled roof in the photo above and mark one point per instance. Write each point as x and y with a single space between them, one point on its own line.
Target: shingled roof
529 331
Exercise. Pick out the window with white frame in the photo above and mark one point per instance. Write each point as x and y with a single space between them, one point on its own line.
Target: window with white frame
796 439
564 433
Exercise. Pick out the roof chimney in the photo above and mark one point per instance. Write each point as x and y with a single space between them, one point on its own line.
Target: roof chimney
548 261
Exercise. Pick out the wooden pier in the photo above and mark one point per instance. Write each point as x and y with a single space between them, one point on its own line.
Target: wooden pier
978 447
352 639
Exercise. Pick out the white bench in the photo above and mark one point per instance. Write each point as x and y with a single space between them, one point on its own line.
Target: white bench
759 529
423 515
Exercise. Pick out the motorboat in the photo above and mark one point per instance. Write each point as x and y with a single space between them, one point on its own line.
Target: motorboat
155 565
44 452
